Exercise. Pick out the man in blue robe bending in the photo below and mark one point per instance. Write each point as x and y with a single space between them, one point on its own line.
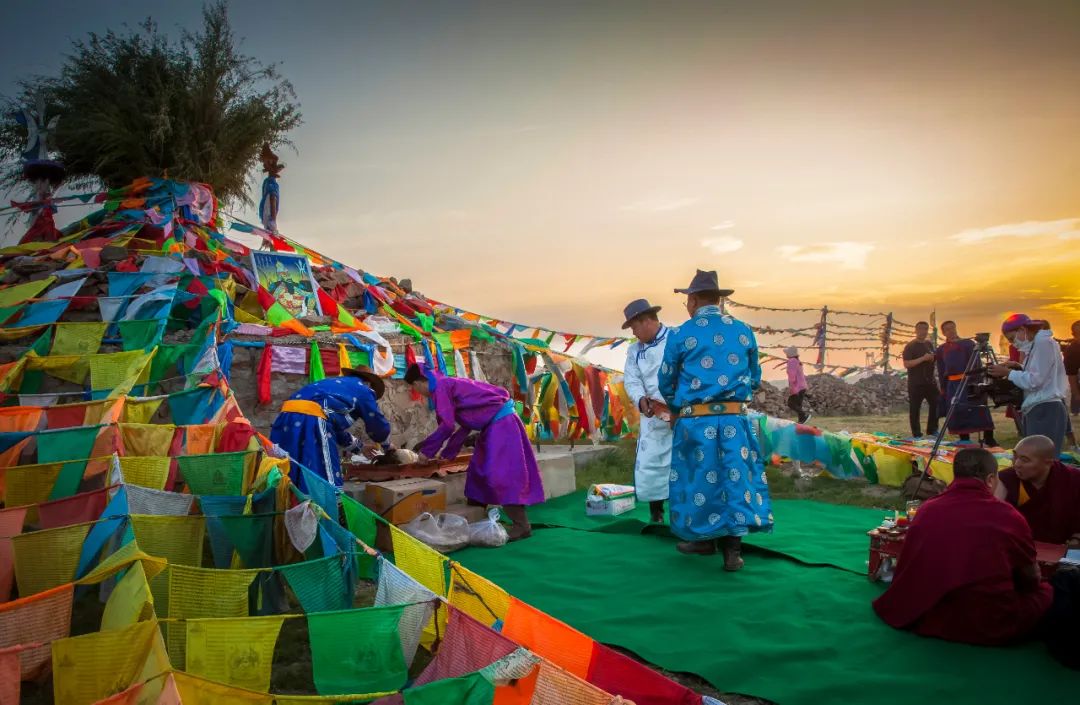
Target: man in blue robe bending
717 489
315 421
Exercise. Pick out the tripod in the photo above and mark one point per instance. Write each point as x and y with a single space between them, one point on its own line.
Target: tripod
982 352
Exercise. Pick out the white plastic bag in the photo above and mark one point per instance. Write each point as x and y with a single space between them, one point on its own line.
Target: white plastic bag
488 532
444 533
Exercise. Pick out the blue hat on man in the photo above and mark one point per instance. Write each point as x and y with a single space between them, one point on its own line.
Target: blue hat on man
637 308
705 281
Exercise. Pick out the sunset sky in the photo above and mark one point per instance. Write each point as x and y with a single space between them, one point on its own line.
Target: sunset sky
546 162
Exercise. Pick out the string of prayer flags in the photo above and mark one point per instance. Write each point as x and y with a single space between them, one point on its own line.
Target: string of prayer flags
235 651
319 585
41 618
94 666
357 650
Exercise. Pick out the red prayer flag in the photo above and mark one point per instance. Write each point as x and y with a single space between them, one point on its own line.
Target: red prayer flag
620 675
76 509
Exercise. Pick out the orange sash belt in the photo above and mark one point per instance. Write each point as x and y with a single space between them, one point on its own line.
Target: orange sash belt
303 406
955 378
714 409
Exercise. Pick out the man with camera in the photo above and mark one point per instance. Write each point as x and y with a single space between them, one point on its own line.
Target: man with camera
1041 377
954 359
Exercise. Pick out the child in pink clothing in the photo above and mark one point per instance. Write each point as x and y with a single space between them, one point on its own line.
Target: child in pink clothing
796 384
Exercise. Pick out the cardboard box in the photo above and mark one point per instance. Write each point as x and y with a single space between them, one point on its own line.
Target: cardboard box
400 501
609 500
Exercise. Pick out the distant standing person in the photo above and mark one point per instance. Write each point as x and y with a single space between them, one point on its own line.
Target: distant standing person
1071 354
796 383
952 358
653 463
921 383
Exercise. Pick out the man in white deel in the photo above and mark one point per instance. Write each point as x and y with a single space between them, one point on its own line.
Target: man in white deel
640 378
1041 376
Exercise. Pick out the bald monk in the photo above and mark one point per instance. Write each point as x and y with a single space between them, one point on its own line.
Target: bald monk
967 571
1045 490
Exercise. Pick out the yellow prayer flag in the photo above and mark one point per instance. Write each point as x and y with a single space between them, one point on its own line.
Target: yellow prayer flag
147 439
145 471
78 338
30 485
94 666
236 651
140 409
130 601
46 559
477 596
125 556
178 539
427 567
188 591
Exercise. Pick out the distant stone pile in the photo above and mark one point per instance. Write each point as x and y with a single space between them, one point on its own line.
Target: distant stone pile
876 395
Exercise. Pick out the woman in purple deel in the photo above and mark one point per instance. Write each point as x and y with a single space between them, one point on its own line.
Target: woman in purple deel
503 468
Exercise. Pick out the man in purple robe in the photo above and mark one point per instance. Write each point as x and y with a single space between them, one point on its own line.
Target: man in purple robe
503 468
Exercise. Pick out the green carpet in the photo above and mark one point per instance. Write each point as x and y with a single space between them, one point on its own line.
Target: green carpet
780 629
814 533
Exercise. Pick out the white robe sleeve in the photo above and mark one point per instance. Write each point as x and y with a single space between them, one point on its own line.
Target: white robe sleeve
632 377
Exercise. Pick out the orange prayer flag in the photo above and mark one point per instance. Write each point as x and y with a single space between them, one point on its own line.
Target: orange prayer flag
548 637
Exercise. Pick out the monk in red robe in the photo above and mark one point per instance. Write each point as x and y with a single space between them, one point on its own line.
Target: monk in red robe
967 571
1045 490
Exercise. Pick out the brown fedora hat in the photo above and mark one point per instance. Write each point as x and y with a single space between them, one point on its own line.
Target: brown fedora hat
365 373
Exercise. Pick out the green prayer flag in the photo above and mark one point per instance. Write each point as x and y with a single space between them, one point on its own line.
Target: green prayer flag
320 584
357 650
68 481
252 537
362 523
142 335
11 295
473 689
220 474
8 311
42 344
359 357
67 444
315 366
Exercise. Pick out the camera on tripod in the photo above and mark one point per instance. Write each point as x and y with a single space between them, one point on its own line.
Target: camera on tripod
981 386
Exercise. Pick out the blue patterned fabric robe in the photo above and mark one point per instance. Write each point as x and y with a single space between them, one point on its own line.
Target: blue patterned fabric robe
313 442
717 485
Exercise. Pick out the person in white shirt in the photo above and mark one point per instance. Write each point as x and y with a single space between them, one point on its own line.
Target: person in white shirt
643 360
1041 376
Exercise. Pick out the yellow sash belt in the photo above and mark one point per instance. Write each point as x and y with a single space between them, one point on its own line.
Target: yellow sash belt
302 406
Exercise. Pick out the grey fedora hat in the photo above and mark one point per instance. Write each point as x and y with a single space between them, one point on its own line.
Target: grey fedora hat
704 281
636 308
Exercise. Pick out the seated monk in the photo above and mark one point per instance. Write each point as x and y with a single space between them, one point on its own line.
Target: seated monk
967 571
1045 490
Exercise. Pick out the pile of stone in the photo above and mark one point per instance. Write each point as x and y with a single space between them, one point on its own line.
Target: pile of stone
873 396
772 400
